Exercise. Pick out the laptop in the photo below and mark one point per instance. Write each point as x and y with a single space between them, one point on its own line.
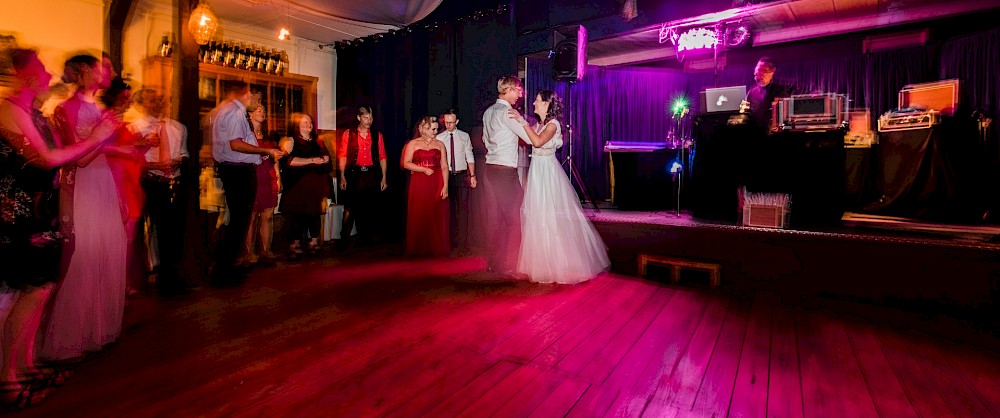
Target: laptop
723 99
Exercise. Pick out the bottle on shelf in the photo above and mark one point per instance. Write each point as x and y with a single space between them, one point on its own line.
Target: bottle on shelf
228 55
271 62
282 63
165 47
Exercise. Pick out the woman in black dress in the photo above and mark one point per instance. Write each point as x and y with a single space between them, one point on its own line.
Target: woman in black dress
305 178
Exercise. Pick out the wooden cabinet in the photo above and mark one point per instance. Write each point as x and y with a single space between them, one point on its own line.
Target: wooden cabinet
282 95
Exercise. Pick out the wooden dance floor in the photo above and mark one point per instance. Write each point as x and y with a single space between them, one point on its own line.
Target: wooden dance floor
372 334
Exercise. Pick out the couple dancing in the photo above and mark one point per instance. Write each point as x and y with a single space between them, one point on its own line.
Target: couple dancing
541 231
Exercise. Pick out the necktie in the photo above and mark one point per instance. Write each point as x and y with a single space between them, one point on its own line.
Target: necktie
164 146
451 137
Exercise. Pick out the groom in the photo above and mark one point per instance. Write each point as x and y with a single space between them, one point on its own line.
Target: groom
500 134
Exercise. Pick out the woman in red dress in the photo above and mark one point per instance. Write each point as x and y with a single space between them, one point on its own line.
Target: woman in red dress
427 200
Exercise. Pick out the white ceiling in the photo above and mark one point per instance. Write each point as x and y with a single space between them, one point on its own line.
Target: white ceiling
323 21
787 21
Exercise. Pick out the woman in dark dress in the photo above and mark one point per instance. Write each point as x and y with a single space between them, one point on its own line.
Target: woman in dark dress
305 177
427 228
268 186
30 156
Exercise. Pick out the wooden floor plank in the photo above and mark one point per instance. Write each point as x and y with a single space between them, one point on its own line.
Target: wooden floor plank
443 397
784 392
528 343
595 401
380 335
493 398
830 369
612 339
962 398
922 393
562 399
684 378
597 326
979 368
883 384
716 392
657 351
750 389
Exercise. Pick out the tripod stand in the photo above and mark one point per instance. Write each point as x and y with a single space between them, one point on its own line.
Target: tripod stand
568 162
680 141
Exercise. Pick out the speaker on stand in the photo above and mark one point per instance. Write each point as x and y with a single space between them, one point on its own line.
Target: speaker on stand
569 64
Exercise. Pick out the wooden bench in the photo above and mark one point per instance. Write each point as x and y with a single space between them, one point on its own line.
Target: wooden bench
676 264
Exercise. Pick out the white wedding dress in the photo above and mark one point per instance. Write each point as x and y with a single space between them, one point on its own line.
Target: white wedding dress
558 242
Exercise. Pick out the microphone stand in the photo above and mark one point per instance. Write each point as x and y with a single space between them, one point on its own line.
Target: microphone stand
568 162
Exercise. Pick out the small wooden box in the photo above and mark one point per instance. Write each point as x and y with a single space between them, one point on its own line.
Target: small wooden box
941 96
764 216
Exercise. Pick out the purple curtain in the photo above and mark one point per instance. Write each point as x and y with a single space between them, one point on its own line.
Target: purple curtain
632 104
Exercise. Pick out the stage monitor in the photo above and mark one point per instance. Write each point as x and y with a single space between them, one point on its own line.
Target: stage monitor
723 99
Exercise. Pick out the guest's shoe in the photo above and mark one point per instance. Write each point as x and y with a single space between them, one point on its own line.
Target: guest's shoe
17 395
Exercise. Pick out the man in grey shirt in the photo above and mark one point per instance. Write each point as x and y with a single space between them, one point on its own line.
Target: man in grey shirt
500 134
234 147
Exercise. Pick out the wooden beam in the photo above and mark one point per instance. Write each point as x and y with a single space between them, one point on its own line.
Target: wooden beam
186 109
117 16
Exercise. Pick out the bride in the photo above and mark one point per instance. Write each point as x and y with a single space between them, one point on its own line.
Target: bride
558 242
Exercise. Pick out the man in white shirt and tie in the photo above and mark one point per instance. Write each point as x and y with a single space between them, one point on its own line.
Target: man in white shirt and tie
165 198
462 177
500 134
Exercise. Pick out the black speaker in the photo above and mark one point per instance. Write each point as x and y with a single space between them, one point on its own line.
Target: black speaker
569 57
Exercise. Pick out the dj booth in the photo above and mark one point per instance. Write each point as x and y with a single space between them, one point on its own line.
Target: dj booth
807 166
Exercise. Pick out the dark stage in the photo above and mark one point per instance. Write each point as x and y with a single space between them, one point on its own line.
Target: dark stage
888 261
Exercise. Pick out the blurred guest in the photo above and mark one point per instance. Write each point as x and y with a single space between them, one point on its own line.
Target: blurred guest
268 186
427 199
362 164
87 310
165 197
30 240
305 176
126 163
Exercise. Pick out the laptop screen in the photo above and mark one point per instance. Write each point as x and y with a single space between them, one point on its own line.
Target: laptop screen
724 99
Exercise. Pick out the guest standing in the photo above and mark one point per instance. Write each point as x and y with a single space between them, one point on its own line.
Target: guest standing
87 310
162 182
268 187
362 163
30 241
306 178
237 154
461 178
427 198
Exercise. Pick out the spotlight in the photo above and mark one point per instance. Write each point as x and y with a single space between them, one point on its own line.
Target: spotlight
284 34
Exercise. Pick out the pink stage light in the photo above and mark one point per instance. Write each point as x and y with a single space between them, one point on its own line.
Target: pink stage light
696 38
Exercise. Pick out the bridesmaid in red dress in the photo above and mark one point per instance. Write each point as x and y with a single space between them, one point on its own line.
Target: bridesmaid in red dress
427 200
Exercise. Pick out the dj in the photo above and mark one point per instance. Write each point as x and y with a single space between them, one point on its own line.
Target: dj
759 102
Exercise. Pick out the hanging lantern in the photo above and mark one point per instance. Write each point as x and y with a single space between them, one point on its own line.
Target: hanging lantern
203 23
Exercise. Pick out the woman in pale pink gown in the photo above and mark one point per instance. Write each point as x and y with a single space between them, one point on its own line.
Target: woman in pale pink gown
87 311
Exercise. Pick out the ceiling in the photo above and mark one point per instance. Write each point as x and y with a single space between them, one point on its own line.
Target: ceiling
324 21
786 21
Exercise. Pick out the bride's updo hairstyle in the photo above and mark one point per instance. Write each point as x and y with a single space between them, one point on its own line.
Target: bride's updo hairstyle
555 106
